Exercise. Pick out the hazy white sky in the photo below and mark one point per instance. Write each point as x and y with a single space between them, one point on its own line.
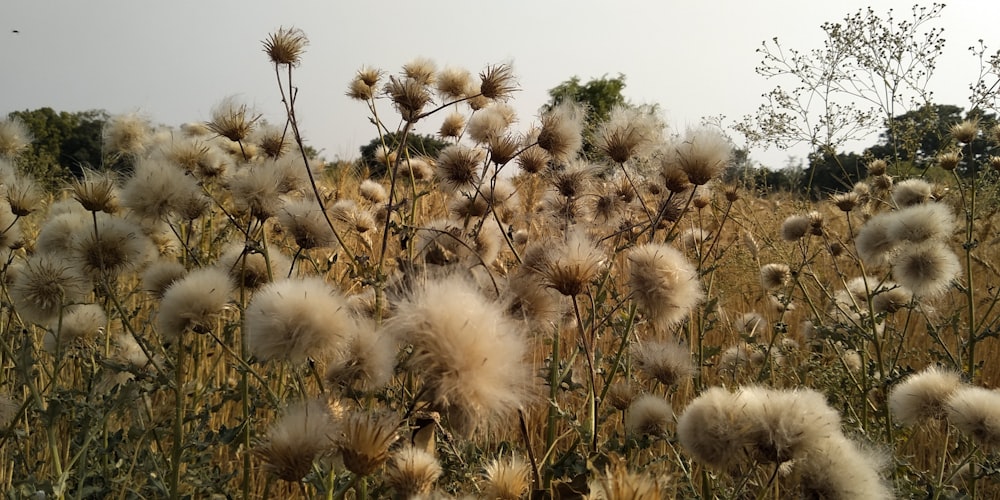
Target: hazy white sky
173 61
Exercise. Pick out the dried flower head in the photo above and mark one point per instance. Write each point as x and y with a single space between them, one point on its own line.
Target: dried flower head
877 167
364 440
965 131
158 189
846 202
160 275
468 354
923 396
649 414
367 361
774 276
497 82
618 483
561 134
193 303
305 223
491 121
920 223
628 133
838 468
927 268
409 96
703 155
507 478
570 265
663 283
620 395
365 84
949 160
232 119
248 268
272 140
422 70
44 286
79 322
875 247
667 362
452 125
285 46
23 195
533 159
976 412
111 248
304 433
127 134
96 191
458 166
372 191
15 137
297 318
453 83
412 472
911 192
796 227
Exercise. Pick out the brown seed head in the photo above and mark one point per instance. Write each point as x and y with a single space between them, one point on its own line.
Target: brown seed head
497 82
285 46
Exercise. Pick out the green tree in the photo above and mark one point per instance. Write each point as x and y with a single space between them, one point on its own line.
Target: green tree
417 144
63 143
600 95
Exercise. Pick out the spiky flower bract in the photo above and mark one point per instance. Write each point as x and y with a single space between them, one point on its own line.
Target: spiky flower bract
507 478
561 134
618 483
976 412
469 355
409 96
571 265
663 283
458 166
193 303
296 319
774 276
304 433
796 227
44 286
923 396
111 247
285 46
703 155
497 82
232 119
364 440
629 132
412 472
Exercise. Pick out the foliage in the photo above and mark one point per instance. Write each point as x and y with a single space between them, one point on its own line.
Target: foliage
64 142
417 145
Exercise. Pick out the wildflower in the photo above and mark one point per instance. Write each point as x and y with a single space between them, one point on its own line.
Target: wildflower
296 319
452 83
270 138
503 148
255 191
838 468
648 414
367 361
452 125
15 137
561 133
193 303
618 483
348 213
458 166
852 360
920 223
575 179
373 191
422 70
96 191
709 429
412 472
112 247
409 96
629 132
875 247
303 434
57 233
846 202
232 120
491 122
750 324
365 439
127 135
663 283
533 159
890 297
160 275
620 395
923 396
703 155
364 84
674 179
44 286
572 264
79 322
976 412
507 478
285 46
965 131
877 167
23 196
784 425
667 362
158 189
927 269
497 82
469 355
911 192
796 227
774 276
949 160
250 269
306 224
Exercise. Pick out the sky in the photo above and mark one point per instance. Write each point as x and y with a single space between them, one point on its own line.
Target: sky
173 61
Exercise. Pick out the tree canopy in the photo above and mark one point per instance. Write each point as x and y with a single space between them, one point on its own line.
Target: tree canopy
63 142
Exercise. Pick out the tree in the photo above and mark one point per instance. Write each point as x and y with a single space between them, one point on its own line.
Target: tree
417 144
63 143
600 95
